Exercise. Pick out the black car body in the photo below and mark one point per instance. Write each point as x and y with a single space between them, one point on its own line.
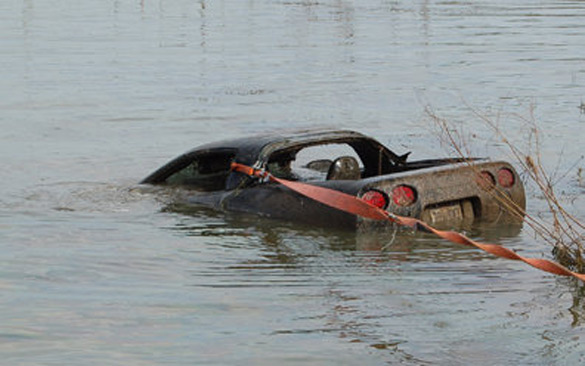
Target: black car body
437 191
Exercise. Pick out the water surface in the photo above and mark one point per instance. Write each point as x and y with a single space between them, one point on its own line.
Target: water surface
97 95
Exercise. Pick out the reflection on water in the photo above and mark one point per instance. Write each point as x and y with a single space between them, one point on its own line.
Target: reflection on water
271 282
289 242
371 296
96 95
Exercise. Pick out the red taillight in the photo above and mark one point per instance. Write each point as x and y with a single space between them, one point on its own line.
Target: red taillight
506 178
375 198
486 180
403 195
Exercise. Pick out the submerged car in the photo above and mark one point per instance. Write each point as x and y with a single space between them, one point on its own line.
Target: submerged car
438 191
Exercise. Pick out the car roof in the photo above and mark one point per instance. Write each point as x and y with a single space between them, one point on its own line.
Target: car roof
257 148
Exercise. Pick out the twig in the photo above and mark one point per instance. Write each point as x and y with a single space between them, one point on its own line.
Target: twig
564 233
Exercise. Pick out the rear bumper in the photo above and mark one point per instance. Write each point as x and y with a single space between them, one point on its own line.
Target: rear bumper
457 193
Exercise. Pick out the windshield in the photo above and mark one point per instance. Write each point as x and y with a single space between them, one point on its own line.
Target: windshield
207 172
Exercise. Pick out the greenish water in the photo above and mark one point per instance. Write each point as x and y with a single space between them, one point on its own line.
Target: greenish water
96 95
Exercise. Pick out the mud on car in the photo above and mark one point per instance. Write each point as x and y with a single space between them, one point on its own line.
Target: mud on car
438 191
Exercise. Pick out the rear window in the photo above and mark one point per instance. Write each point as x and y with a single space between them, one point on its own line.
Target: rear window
205 172
311 163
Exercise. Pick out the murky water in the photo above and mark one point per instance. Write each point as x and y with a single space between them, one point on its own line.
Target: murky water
95 95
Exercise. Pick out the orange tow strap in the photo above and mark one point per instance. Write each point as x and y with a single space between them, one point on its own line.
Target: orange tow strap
348 203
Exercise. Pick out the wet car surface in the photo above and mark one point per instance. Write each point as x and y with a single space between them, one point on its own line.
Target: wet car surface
438 191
